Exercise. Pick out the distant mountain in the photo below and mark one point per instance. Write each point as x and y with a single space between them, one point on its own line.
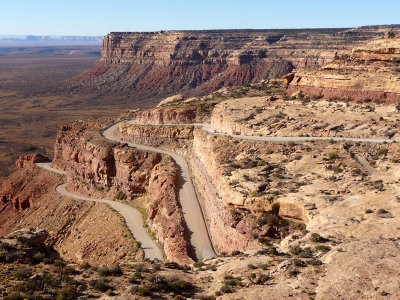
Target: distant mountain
48 40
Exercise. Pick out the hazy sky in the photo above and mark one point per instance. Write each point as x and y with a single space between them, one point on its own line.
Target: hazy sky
98 17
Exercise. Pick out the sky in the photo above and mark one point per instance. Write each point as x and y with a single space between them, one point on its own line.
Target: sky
99 17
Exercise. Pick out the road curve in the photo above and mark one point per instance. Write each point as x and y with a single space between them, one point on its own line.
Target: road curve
200 239
133 218
199 236
277 139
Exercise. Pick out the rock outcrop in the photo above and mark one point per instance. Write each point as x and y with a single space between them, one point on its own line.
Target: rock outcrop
171 100
24 161
369 72
103 169
160 64
183 114
35 238
23 188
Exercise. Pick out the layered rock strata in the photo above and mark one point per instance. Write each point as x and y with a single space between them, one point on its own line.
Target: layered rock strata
99 168
370 72
157 64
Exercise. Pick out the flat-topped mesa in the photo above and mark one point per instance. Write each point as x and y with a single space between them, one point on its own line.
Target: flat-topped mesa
168 48
369 72
160 64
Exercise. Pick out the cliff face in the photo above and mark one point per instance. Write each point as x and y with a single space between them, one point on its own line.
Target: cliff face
102 169
157 64
368 72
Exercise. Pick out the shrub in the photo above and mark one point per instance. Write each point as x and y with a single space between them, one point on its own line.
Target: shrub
225 289
85 265
106 271
323 248
295 250
251 266
236 252
22 273
14 296
268 218
382 152
100 285
314 262
145 290
332 155
178 286
369 211
381 211
198 264
121 196
38 257
68 270
299 263
316 238
292 273
67 293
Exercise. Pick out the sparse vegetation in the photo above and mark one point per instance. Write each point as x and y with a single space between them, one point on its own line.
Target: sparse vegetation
121 196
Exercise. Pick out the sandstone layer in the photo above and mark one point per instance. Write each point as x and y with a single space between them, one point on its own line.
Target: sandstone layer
369 72
160 64
103 169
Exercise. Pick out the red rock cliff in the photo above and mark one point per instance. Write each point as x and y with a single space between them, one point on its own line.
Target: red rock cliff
156 64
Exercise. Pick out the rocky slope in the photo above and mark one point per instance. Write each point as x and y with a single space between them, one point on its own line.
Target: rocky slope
369 72
28 199
102 169
156 64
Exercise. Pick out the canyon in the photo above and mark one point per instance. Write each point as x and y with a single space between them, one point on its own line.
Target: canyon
296 201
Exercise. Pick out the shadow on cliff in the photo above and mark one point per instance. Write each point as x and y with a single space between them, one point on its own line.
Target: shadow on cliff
187 232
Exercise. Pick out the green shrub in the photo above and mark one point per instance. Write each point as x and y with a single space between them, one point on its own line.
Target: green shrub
198 264
382 152
121 196
332 155
38 257
295 250
323 248
316 238
314 262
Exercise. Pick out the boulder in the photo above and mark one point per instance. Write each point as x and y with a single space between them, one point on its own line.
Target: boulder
171 100
34 238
